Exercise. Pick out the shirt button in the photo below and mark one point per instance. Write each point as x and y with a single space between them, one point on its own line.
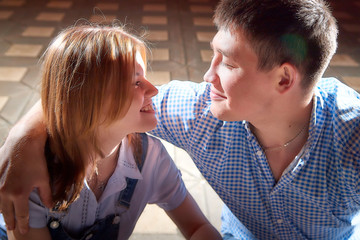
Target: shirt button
279 221
54 224
88 237
116 220
259 153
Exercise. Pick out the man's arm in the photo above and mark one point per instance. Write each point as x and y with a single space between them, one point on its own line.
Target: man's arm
178 106
23 168
32 234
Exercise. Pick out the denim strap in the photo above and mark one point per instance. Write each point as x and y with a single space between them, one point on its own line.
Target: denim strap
126 194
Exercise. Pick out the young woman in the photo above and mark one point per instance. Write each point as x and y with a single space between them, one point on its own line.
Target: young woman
95 97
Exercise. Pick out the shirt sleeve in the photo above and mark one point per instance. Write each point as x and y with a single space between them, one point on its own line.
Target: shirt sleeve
178 105
350 156
169 190
37 211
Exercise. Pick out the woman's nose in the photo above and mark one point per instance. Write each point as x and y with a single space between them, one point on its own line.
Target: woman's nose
150 89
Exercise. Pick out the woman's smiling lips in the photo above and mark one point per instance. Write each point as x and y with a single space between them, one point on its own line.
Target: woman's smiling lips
147 109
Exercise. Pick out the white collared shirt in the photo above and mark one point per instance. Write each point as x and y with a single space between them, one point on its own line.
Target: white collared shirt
159 182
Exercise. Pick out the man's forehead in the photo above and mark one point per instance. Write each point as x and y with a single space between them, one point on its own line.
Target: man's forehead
225 42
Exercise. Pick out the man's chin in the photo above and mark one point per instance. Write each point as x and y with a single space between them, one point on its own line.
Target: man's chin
222 115
216 113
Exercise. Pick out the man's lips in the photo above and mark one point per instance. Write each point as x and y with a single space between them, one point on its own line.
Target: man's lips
215 95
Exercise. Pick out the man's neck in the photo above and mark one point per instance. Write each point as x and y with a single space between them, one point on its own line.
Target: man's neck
283 138
282 126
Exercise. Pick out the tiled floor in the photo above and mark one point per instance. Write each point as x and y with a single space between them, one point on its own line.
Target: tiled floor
179 32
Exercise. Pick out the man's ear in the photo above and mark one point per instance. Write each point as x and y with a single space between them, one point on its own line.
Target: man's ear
287 76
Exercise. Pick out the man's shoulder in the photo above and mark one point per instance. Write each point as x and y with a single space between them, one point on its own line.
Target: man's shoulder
334 86
339 104
338 94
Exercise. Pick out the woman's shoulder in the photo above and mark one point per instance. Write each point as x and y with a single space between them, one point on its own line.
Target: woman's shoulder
155 145
157 153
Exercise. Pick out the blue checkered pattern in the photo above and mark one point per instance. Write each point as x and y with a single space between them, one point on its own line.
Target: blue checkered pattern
318 198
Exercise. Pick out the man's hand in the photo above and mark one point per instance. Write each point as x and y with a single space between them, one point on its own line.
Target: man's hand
23 168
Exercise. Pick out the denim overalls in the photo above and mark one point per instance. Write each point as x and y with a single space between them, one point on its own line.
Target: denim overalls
103 229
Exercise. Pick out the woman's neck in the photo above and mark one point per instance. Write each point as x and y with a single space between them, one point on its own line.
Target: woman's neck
103 168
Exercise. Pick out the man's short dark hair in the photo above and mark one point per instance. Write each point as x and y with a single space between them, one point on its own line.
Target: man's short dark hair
300 32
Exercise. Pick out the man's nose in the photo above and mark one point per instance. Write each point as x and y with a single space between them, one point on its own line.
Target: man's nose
210 76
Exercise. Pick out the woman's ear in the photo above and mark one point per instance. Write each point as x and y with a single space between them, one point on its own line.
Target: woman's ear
287 76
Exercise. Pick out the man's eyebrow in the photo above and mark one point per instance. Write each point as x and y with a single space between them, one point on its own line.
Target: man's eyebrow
223 52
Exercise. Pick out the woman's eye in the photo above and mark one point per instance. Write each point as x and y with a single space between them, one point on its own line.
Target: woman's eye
139 73
137 83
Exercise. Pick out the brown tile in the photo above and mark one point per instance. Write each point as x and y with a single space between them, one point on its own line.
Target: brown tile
59 4
38 32
354 28
12 3
49 16
155 35
343 60
18 99
4 130
102 18
198 1
24 50
158 77
160 54
206 55
342 15
203 21
108 6
201 9
154 7
205 36
3 100
12 74
6 14
154 20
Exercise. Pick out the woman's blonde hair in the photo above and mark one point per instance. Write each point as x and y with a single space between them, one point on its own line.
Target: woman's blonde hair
84 69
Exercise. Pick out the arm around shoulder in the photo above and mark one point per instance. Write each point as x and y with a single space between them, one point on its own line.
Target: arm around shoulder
23 167
32 234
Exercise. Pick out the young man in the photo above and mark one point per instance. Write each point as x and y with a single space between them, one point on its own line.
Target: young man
278 144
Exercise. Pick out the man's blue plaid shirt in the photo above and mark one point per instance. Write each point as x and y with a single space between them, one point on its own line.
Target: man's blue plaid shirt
317 197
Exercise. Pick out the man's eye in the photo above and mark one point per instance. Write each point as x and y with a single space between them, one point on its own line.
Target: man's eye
227 65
